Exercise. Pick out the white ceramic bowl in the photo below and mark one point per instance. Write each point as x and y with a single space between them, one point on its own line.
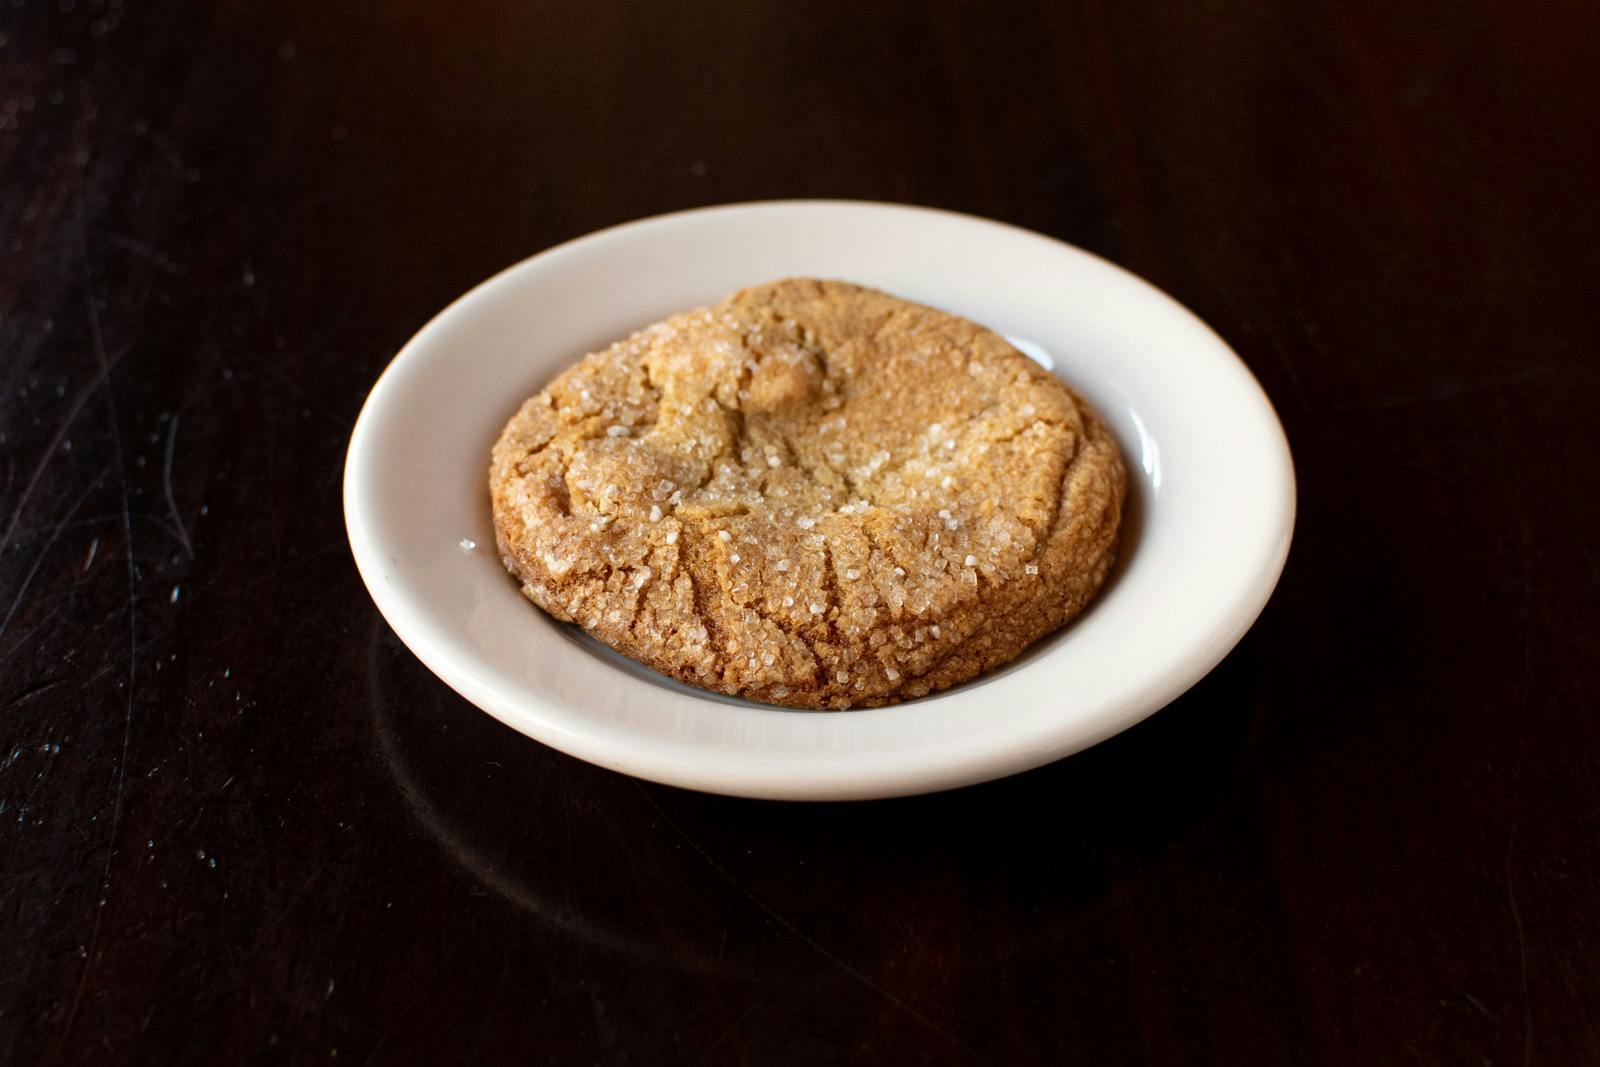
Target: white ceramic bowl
1213 500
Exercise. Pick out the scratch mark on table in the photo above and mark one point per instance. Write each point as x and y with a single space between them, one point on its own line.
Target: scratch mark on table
288 906
55 535
1522 952
1441 392
372 1057
148 253
33 691
104 370
1476 1003
166 485
731 1029
104 378
95 519
185 824
361 184
811 943
170 150
268 576
311 401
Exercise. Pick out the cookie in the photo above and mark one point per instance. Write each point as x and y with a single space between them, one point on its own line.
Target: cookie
812 494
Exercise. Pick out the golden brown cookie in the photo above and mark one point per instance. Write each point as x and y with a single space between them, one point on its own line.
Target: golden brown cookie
811 494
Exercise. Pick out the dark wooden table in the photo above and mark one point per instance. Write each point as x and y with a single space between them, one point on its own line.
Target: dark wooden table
239 821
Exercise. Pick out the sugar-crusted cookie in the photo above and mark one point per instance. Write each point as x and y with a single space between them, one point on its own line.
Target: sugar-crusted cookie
812 494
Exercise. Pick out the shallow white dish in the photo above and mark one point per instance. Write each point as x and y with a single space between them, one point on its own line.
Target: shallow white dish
1213 493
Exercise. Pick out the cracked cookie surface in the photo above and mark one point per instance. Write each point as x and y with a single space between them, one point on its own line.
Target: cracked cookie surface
811 494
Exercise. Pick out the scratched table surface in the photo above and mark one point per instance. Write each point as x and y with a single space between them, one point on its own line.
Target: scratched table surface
240 822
